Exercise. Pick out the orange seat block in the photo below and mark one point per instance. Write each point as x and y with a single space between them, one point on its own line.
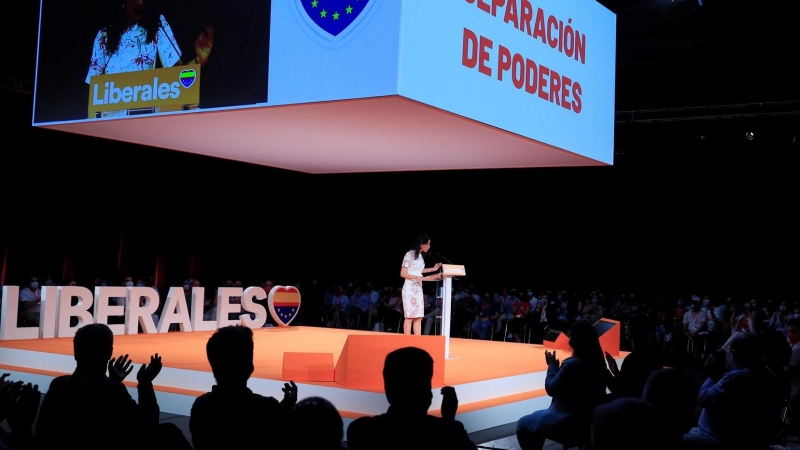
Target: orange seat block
308 366
609 332
556 340
360 365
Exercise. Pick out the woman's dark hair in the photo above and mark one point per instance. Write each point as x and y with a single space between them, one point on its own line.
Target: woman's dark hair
119 23
585 344
418 242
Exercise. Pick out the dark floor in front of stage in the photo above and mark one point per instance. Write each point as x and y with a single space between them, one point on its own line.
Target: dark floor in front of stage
498 438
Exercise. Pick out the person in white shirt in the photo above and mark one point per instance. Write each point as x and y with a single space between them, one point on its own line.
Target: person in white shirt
30 299
695 324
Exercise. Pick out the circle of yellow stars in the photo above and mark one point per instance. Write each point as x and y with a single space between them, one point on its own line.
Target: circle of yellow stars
324 13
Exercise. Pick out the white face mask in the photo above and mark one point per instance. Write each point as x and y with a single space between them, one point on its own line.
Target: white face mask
129 283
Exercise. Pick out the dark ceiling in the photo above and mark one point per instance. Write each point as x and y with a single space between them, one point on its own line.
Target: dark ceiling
704 52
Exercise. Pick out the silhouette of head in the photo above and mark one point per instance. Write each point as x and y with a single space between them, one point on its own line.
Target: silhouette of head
93 345
674 393
744 351
639 332
777 352
585 343
324 420
230 354
407 375
639 420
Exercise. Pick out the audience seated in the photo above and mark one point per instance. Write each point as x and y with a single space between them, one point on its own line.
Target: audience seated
91 410
407 375
316 424
793 369
628 423
577 386
741 407
231 415
673 392
629 381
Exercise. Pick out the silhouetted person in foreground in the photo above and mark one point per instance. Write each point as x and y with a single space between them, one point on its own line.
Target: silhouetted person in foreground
628 423
316 424
674 393
91 410
576 386
629 380
407 375
741 407
19 403
231 415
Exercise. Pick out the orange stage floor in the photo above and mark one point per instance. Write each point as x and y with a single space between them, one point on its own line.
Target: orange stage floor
497 382
471 360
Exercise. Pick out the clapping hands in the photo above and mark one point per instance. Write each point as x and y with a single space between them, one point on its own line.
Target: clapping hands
289 395
119 368
449 402
550 358
148 373
24 407
19 403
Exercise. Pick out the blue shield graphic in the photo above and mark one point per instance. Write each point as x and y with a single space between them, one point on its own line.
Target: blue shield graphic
333 19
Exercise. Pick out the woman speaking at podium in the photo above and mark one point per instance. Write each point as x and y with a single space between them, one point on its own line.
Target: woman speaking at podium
413 270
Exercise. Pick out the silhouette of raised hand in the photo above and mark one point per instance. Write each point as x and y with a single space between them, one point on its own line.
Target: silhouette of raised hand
119 368
550 358
203 45
24 408
289 395
449 402
148 373
7 392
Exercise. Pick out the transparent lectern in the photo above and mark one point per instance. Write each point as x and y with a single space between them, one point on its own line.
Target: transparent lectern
448 272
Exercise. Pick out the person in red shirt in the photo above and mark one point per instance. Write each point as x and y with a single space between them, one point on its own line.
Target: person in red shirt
520 311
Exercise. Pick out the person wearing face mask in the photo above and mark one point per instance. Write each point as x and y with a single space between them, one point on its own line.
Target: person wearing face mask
714 328
744 322
793 369
779 318
120 301
695 326
30 299
741 408
595 308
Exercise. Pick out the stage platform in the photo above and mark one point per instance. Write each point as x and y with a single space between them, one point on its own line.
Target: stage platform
496 382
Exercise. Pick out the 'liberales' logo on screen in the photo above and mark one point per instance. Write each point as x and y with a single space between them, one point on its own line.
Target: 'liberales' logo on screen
333 19
169 87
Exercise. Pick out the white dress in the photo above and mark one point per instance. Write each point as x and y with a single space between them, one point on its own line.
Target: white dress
413 300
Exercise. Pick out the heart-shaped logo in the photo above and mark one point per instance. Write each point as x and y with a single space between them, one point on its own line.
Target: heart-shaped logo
284 304
333 19
187 78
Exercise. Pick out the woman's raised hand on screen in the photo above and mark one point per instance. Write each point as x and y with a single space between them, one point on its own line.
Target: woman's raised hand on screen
203 45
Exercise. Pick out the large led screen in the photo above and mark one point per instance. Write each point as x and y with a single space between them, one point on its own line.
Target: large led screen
542 69
119 58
